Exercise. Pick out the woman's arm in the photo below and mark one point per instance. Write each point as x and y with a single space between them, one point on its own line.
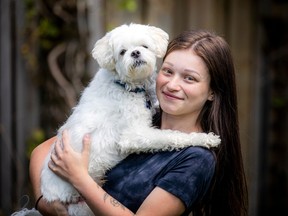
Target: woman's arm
36 162
73 166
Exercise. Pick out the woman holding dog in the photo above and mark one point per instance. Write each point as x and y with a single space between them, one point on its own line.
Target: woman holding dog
197 93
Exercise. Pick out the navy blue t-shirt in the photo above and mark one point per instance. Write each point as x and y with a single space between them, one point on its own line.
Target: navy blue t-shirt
186 174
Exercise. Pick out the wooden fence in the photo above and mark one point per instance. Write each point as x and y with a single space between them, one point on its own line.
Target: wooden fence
239 21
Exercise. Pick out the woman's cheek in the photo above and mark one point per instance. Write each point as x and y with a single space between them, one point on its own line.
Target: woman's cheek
158 85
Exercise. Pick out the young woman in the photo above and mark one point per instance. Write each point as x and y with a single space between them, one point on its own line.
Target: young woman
197 93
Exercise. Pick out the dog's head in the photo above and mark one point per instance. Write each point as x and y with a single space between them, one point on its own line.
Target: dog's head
131 51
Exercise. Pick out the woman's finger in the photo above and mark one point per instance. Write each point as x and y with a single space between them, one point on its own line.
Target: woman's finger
57 148
86 144
54 157
52 165
65 140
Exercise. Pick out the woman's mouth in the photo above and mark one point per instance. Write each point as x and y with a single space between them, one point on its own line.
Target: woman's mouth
171 96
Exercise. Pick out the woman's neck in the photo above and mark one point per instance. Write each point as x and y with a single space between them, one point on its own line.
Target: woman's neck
180 123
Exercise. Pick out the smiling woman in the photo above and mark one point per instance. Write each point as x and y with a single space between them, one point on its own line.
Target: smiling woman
183 89
209 55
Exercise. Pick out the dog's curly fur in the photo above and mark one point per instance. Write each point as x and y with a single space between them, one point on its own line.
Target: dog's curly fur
115 109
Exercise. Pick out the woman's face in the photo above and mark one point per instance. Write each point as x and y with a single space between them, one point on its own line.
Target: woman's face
183 84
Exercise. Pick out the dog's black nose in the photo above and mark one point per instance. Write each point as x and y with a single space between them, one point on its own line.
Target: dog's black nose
135 54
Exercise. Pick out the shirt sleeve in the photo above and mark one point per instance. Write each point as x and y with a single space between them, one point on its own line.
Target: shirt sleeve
190 175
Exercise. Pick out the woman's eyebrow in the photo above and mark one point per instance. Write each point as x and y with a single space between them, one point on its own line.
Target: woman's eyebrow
168 63
192 71
185 70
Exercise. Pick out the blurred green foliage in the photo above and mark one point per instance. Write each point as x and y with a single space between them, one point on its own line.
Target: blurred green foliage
37 137
47 30
128 5
279 102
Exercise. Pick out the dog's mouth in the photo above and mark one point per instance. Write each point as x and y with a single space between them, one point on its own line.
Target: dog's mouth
138 63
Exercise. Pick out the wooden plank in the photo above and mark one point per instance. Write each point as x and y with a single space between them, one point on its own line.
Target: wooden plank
6 109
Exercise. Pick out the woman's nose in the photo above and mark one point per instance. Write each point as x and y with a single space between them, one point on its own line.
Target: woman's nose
173 84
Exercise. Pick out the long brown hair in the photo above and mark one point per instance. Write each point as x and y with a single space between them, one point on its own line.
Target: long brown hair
228 192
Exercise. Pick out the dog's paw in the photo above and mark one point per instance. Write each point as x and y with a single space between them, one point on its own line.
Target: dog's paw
208 140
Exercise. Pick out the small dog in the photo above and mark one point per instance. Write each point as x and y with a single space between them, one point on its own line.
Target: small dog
116 110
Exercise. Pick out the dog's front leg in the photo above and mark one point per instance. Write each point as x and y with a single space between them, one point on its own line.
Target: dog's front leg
146 139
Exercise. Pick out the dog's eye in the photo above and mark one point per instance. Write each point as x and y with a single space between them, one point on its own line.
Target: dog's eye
122 52
145 46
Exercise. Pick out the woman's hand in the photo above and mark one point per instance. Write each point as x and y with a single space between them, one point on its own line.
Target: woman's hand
66 162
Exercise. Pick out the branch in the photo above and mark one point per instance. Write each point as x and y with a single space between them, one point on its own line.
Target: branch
58 76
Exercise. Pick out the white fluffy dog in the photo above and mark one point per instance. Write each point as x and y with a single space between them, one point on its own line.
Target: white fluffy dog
115 109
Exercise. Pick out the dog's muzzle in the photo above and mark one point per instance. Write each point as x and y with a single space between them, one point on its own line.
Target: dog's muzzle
138 63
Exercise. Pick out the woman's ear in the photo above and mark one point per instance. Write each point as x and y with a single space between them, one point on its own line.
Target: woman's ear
211 96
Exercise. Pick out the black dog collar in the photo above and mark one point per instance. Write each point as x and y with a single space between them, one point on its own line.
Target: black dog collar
124 85
136 90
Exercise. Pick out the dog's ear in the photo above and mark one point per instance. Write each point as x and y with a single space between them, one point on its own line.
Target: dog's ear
161 39
103 52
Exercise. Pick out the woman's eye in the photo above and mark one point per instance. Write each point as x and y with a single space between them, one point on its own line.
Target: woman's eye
189 78
167 71
122 52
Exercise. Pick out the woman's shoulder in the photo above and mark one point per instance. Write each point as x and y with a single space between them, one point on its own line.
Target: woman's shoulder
198 153
199 150
189 174
196 159
193 153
